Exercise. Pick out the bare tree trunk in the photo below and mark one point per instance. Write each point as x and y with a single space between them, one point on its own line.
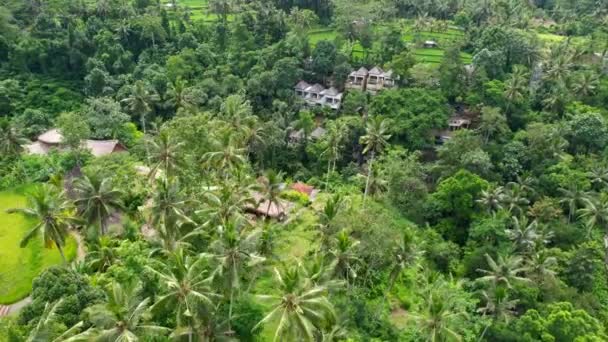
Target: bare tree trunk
369 176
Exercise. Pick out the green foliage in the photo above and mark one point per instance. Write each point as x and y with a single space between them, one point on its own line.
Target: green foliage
414 112
56 283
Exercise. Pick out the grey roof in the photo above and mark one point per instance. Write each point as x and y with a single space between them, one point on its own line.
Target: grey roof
376 71
388 74
302 85
362 72
333 92
37 147
315 88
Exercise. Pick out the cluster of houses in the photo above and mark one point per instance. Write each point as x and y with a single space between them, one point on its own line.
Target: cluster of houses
53 139
373 81
318 95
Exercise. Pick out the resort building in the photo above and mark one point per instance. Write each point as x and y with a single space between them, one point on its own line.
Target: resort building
53 139
318 96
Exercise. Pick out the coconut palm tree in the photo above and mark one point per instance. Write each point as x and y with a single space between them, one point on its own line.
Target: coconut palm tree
176 94
498 305
226 155
121 317
225 204
271 187
585 84
524 234
12 139
503 271
331 209
375 140
491 199
598 175
436 318
344 256
595 212
574 198
187 289
237 111
541 266
515 87
514 199
168 211
96 200
102 254
44 329
334 139
53 216
234 254
301 307
165 154
404 254
140 102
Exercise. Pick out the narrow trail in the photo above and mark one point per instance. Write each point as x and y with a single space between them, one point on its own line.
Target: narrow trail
6 310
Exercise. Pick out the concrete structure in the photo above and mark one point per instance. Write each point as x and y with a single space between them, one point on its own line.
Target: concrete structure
318 96
357 79
429 44
379 79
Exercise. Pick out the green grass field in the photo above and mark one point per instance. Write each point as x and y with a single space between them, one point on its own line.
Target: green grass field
19 266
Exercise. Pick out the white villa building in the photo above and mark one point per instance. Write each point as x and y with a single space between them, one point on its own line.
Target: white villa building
317 95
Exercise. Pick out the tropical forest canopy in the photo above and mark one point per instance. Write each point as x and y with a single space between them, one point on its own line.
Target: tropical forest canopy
255 189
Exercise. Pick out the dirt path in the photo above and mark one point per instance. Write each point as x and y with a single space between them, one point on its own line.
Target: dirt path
6 310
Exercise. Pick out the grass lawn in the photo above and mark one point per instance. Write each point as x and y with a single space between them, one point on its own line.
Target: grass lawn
19 266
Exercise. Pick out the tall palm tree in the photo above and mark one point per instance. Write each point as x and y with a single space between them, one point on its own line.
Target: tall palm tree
514 199
574 198
503 271
102 254
524 234
224 205
176 94
53 214
437 317
331 209
187 289
541 266
12 139
234 253
301 307
375 140
121 317
238 112
498 304
344 256
585 84
140 102
44 329
598 175
96 200
595 212
168 211
332 150
226 156
491 199
271 187
404 254
515 87
165 154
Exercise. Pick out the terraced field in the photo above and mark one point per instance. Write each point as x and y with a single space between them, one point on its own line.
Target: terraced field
423 55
